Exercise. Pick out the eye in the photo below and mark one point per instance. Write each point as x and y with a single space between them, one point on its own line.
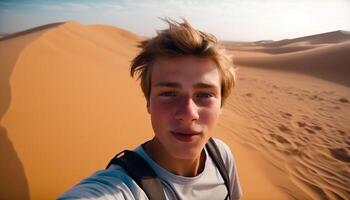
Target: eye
204 95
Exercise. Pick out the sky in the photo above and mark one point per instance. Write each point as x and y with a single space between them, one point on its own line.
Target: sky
235 20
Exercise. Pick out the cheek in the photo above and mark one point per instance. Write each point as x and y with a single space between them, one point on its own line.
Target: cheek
210 116
159 112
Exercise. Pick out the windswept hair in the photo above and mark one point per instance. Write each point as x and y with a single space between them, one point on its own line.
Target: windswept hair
181 39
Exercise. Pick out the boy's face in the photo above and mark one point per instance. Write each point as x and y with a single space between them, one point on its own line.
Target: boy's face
184 104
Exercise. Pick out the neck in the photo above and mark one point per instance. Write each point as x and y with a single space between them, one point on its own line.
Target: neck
181 167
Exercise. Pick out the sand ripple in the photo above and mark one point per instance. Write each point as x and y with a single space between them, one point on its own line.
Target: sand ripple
299 124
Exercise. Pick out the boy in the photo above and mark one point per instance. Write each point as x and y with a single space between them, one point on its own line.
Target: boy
185 77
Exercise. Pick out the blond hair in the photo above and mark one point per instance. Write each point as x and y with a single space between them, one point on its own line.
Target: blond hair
181 39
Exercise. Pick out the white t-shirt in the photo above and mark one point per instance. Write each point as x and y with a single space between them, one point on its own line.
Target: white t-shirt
114 183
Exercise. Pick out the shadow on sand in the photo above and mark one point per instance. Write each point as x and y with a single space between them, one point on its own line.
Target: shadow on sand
13 181
13 184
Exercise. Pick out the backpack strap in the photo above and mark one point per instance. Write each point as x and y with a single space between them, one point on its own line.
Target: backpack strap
214 153
140 171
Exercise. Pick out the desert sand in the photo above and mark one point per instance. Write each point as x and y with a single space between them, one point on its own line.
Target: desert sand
68 105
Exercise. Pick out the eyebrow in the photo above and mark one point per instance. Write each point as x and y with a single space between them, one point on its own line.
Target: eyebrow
178 85
204 85
167 84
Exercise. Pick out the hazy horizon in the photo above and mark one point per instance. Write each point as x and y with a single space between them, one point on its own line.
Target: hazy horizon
228 20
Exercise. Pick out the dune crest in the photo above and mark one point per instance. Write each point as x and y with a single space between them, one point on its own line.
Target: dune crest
32 30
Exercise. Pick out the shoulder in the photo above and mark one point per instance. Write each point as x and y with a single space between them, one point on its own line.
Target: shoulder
112 183
227 157
230 163
225 152
222 145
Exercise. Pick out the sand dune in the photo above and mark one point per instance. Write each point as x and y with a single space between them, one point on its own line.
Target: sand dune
328 38
14 182
291 45
68 105
324 56
328 62
300 125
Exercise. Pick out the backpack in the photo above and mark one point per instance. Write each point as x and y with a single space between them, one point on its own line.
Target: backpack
140 171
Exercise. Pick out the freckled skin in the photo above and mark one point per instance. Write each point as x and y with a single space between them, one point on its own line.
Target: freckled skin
190 104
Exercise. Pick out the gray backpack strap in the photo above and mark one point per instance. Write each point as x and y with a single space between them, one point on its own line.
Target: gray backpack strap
214 153
140 171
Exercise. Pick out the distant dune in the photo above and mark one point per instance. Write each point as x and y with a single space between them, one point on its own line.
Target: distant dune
328 62
323 38
68 105
324 56
3 35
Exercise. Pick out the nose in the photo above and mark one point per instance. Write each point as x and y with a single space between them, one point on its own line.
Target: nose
187 110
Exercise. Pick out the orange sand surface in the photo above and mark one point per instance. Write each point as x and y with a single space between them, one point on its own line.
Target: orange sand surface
68 105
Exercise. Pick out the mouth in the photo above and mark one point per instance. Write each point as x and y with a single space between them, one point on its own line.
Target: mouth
185 136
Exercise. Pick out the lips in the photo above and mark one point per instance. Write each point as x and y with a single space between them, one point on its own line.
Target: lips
185 136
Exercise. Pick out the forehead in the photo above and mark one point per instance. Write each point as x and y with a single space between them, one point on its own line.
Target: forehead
185 70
